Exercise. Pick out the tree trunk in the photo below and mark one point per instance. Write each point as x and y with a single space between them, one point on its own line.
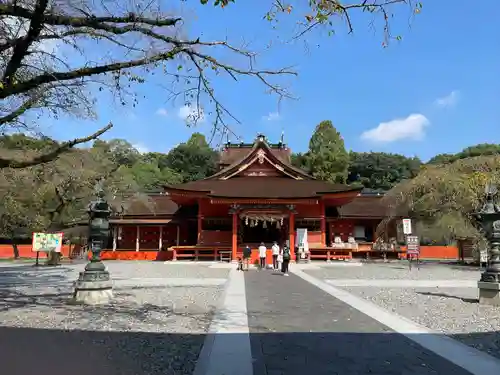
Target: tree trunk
54 258
15 249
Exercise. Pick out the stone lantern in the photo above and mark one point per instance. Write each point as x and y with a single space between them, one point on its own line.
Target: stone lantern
489 218
94 285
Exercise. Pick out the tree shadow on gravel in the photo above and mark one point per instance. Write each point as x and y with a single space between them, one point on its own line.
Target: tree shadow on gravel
123 309
28 276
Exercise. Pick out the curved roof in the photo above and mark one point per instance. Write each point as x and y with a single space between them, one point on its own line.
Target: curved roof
285 181
267 152
263 187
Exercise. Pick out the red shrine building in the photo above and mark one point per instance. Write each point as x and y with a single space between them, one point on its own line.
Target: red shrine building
256 196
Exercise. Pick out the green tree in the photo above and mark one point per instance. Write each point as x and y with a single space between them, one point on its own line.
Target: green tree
482 149
194 159
299 160
149 177
52 195
120 151
327 158
442 198
380 170
443 159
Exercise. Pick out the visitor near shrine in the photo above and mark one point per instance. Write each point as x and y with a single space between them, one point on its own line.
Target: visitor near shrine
247 253
276 251
286 260
262 255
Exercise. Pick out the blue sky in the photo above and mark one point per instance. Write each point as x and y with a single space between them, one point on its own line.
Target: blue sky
435 91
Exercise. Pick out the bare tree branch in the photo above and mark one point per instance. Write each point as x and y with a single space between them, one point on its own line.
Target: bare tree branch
51 155
34 79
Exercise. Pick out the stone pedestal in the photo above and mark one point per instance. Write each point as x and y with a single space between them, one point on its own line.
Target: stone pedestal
489 293
94 286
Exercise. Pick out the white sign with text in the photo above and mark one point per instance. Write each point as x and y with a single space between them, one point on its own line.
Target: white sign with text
407 226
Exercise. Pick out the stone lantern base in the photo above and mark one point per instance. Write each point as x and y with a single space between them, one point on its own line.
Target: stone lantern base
94 286
489 293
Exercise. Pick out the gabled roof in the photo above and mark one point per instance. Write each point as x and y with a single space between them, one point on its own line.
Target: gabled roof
236 180
259 153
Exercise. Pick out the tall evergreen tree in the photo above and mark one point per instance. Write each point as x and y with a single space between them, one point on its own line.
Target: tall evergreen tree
194 159
328 159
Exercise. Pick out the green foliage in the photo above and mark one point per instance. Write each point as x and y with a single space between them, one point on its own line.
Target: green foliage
380 170
119 151
194 159
444 197
482 149
21 142
150 177
52 195
327 158
299 160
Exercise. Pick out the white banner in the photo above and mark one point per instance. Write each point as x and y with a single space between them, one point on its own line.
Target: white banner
407 226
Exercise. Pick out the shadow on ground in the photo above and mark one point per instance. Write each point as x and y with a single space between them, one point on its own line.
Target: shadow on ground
28 275
451 296
27 351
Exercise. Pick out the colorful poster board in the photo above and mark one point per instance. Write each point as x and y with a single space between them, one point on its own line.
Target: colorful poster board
47 242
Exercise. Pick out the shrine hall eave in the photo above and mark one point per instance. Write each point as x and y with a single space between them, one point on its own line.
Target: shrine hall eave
261 187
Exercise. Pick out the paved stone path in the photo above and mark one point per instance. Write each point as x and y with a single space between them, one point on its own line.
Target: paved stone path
296 328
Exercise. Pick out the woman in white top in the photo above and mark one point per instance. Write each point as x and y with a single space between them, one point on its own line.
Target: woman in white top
276 251
262 255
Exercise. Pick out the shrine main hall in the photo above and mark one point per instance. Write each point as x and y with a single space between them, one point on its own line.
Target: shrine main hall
256 196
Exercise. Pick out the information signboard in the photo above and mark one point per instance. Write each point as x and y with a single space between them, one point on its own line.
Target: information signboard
412 245
47 242
406 226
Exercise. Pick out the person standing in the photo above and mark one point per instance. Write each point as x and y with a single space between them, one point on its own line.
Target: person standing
276 252
247 253
286 260
262 255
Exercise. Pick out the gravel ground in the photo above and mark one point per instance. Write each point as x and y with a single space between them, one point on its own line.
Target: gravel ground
145 330
395 271
453 311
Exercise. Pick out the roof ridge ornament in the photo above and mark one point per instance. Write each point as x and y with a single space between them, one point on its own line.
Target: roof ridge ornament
261 155
261 137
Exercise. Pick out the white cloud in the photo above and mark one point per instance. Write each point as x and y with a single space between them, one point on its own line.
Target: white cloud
191 114
140 147
449 100
162 112
411 127
272 116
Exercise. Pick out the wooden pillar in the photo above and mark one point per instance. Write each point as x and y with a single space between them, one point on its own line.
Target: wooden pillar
291 227
115 238
200 228
234 242
137 238
177 240
160 240
323 223
200 222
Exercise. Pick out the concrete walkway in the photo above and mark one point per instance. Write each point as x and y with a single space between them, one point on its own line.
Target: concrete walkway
272 325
